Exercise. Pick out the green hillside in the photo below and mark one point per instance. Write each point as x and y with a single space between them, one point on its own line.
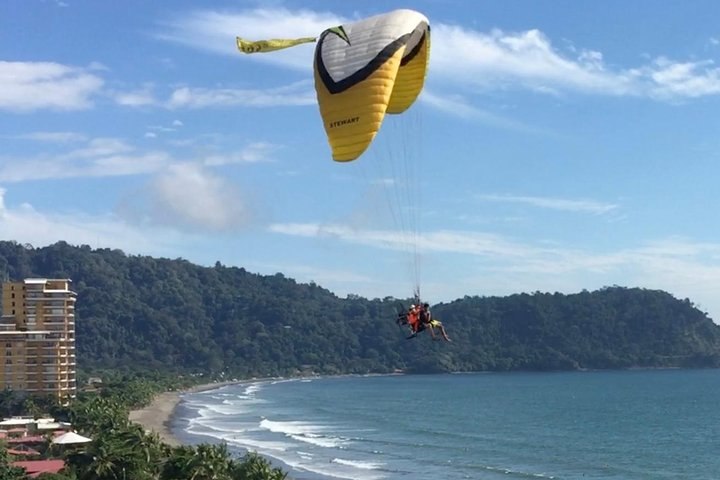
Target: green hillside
140 313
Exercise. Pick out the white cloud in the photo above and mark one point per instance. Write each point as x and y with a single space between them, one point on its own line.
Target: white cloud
298 94
163 129
456 105
30 86
154 131
588 206
521 60
216 31
190 196
110 157
138 98
438 241
529 60
3 212
100 157
671 80
481 60
674 256
460 106
100 147
57 167
25 224
252 153
680 266
52 137
185 195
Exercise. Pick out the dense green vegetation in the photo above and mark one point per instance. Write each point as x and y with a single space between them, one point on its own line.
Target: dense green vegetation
123 450
144 313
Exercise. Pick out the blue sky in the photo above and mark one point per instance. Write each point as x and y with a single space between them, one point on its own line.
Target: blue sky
557 146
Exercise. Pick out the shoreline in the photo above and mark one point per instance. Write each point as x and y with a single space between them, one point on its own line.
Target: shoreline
157 417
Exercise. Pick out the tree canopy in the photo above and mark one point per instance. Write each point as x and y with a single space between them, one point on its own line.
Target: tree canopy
145 313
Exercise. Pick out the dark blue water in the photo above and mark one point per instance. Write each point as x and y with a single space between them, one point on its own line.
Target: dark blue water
662 424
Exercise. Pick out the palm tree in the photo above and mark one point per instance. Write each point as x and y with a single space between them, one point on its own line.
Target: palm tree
109 457
99 416
204 462
144 452
176 462
97 461
255 467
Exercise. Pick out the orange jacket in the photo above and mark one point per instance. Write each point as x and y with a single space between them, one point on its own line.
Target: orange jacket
413 316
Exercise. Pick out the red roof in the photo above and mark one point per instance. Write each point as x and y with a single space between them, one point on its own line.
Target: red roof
35 467
28 439
29 451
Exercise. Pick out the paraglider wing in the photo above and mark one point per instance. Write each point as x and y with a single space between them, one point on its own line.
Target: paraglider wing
366 69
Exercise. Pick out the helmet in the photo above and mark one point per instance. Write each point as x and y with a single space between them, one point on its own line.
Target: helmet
412 306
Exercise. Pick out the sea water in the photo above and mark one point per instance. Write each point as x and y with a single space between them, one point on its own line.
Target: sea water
624 425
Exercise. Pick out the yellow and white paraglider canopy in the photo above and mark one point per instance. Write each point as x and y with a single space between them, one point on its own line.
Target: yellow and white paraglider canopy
363 70
366 69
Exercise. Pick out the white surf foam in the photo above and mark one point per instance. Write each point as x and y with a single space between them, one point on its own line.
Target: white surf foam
303 432
358 464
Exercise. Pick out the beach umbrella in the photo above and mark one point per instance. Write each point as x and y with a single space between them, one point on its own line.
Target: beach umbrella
70 438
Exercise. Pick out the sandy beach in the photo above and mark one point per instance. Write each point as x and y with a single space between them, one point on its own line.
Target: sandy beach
157 416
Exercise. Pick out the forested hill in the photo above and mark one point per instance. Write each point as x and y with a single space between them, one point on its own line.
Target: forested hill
140 312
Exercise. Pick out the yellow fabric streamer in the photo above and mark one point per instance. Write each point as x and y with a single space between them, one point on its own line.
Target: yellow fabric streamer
259 46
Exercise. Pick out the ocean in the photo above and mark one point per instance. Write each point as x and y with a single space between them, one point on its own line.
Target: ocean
619 425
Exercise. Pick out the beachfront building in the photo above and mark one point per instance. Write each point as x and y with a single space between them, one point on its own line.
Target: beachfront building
37 337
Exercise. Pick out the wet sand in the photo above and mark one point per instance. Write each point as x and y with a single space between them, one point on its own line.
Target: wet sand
157 416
